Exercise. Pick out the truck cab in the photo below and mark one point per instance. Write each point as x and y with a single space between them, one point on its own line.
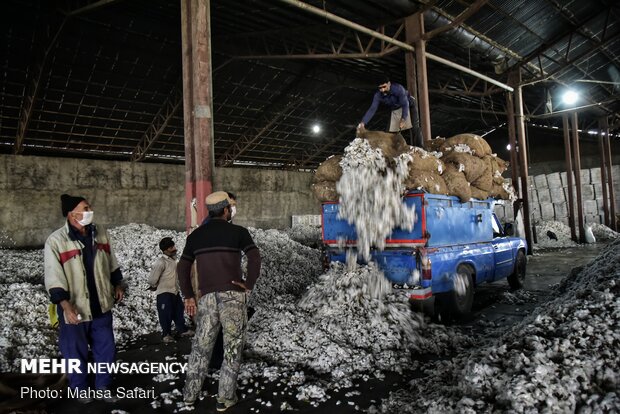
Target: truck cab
453 247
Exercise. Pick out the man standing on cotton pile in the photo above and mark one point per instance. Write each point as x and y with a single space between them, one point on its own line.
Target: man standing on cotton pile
216 247
163 278
84 280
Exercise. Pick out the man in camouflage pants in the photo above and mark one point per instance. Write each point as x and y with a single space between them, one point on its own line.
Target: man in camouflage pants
216 247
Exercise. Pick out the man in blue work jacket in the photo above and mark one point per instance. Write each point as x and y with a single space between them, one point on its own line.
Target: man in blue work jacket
402 105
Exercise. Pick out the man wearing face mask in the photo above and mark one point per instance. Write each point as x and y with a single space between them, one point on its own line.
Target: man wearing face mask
233 208
163 278
84 280
217 247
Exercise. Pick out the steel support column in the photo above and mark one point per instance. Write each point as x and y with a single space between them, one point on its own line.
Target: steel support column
414 26
610 179
522 148
577 170
512 133
601 140
569 177
197 106
410 66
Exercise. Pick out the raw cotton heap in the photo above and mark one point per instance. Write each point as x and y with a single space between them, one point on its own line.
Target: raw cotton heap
287 267
350 321
137 248
25 331
306 234
462 165
371 190
562 358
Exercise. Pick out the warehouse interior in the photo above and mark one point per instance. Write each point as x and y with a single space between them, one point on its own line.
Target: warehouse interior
145 107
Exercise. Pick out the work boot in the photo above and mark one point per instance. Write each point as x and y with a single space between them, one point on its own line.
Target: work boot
168 339
225 405
187 333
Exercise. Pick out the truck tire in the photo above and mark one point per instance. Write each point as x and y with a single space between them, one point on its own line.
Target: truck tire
517 278
458 302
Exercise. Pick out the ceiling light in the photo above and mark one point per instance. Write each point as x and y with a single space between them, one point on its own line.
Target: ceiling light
508 147
570 97
316 128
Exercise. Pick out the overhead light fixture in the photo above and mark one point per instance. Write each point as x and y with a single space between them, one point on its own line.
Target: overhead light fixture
508 147
570 97
316 128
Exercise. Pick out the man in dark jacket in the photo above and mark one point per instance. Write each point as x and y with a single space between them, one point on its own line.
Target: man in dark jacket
216 247
404 114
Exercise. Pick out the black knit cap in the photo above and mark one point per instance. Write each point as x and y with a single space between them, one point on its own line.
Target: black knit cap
166 243
68 203
383 78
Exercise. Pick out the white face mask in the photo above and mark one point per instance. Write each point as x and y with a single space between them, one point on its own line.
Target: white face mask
233 211
87 218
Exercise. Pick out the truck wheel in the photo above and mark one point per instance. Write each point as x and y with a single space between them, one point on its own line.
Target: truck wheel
458 302
517 278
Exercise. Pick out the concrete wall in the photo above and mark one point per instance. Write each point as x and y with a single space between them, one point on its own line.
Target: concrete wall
124 192
549 196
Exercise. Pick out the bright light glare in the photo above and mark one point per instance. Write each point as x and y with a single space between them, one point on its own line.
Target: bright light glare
508 147
570 97
316 129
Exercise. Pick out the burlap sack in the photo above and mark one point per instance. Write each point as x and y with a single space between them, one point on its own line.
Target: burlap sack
497 167
478 193
429 181
392 145
457 183
474 167
497 164
424 161
499 192
434 144
498 179
325 191
485 181
329 170
477 144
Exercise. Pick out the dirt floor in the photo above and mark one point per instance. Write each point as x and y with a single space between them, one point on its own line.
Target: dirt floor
490 317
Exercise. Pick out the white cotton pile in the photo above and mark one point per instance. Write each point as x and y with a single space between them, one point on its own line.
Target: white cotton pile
350 322
137 247
25 329
604 233
371 195
287 267
22 266
547 230
562 358
306 234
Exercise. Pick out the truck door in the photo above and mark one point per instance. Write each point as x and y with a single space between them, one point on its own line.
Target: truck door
504 262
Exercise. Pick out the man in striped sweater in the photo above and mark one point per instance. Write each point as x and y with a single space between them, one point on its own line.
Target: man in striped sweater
216 247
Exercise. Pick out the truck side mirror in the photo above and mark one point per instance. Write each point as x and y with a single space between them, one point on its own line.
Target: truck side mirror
509 229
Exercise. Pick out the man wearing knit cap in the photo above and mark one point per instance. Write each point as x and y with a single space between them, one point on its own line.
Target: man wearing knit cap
83 279
217 247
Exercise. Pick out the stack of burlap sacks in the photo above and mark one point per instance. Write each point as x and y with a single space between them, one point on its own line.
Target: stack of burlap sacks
462 166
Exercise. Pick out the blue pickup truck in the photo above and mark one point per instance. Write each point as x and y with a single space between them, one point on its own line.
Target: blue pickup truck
453 247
